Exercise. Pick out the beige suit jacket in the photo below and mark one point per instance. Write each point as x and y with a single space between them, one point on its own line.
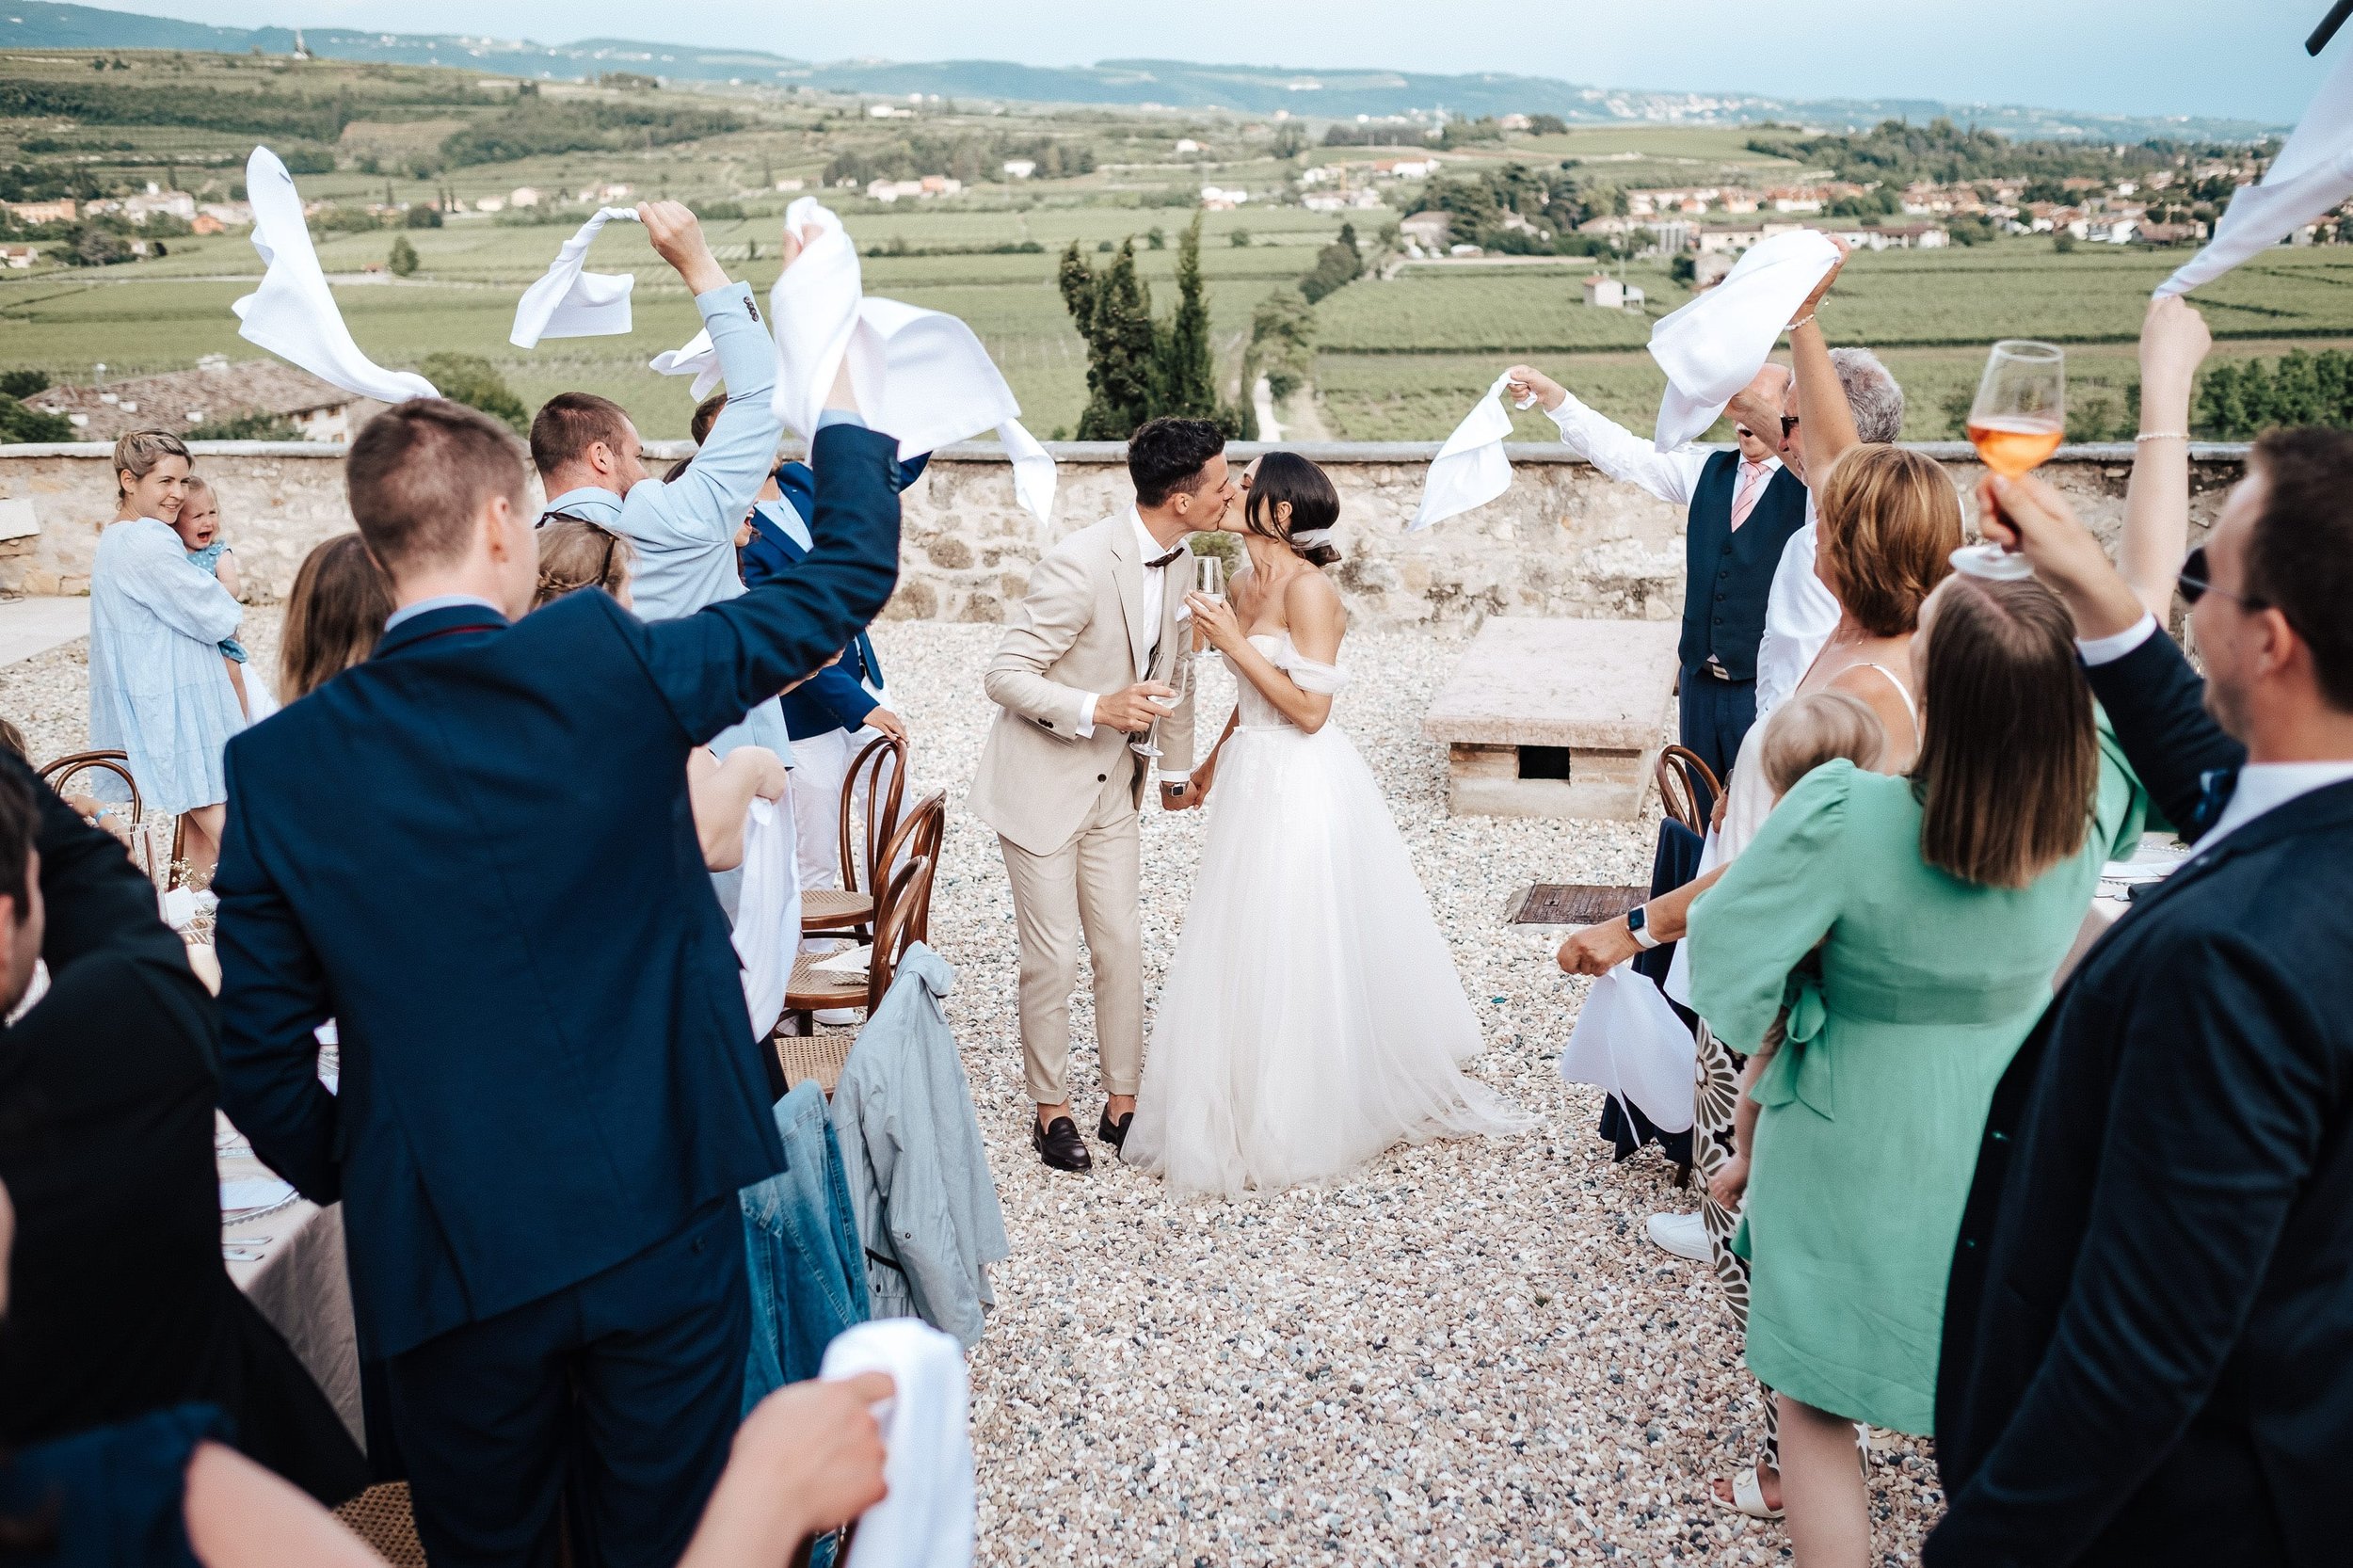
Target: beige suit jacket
1079 630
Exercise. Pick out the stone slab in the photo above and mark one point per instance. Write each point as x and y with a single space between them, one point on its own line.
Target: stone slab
1541 680
36 625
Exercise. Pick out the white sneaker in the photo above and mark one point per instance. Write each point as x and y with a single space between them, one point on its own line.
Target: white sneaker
1684 1235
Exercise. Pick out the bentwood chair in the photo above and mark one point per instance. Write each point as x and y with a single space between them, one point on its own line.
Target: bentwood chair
800 1055
1688 788
58 774
880 768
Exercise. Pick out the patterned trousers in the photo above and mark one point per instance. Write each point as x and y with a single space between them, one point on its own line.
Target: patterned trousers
1718 1075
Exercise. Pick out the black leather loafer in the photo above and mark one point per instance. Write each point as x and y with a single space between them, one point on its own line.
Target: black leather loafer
1114 1133
1060 1145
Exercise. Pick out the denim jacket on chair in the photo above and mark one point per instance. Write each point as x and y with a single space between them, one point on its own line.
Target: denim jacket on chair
801 1249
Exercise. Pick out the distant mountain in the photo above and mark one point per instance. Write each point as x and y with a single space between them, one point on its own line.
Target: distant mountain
1167 83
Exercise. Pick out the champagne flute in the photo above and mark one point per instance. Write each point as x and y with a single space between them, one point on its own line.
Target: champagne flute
1209 580
2017 422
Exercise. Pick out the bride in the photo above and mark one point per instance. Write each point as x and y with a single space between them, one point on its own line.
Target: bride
1313 1017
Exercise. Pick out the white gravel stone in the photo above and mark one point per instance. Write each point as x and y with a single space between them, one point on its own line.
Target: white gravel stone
1465 1352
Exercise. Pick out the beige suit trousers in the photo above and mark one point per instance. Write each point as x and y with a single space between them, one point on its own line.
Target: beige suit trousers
1089 887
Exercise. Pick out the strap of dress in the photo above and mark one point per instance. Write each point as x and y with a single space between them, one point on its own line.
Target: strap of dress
1912 711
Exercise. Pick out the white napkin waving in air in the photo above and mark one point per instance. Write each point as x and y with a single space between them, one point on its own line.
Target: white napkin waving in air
928 1520
2312 176
293 314
921 374
1470 469
696 359
569 302
1715 346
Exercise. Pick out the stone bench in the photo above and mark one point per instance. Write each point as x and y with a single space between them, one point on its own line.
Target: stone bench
1556 718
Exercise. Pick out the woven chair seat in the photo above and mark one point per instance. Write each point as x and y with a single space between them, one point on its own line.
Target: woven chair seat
811 989
817 1056
831 909
381 1517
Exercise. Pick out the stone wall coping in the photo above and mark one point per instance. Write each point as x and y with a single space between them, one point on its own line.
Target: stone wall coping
1585 683
1366 452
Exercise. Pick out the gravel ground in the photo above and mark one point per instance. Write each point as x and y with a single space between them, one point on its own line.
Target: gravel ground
1465 1352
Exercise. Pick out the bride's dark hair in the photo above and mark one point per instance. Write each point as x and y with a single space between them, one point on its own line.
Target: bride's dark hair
1288 477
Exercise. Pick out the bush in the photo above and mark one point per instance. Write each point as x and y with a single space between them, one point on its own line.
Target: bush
471 379
423 217
713 212
1337 265
1547 125
2062 242
309 160
22 383
403 261
1239 239
20 423
255 427
87 244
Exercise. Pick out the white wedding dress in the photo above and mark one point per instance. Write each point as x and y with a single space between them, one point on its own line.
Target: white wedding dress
1313 1017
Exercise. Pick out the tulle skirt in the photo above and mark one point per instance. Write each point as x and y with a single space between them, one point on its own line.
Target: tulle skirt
1313 1017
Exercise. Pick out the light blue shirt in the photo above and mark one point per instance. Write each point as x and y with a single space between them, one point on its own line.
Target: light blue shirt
157 690
439 601
685 533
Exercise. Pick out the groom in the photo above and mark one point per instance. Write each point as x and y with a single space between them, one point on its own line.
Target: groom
1082 682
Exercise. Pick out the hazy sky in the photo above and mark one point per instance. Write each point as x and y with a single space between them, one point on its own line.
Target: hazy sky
2236 57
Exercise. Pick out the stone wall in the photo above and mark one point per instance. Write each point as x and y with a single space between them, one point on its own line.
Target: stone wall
1564 540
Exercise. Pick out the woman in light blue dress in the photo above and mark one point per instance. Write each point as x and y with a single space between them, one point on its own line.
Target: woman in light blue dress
157 689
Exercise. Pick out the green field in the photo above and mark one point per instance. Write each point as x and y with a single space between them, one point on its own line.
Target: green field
1398 357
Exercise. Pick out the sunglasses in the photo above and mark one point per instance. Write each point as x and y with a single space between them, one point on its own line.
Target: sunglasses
1788 425
2196 581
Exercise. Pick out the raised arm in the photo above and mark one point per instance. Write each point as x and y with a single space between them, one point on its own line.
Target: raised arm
2173 342
1825 421
709 501
715 665
1610 446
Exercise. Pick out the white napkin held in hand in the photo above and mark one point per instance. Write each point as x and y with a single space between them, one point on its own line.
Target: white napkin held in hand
1470 469
767 911
2312 176
696 359
293 314
928 1519
569 302
1715 346
921 374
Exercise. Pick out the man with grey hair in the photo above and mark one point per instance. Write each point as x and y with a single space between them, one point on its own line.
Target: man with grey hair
1801 612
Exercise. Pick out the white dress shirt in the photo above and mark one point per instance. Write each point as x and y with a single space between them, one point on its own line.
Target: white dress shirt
1800 613
1154 602
2262 786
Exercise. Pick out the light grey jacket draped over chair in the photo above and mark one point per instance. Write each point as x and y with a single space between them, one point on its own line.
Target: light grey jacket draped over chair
926 1206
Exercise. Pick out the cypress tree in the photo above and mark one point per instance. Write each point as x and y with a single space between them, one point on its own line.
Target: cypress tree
1113 312
1187 370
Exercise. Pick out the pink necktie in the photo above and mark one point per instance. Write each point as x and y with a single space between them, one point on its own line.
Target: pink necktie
1745 502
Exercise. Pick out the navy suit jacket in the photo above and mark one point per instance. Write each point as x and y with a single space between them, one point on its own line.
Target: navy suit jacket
2148 1352
476 852
835 698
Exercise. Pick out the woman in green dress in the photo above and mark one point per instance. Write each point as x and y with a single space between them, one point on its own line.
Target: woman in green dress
1941 903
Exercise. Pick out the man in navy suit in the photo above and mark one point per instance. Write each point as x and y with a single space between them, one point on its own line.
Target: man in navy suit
2148 1354
476 852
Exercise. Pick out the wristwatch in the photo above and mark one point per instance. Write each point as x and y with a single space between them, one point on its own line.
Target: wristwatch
1638 926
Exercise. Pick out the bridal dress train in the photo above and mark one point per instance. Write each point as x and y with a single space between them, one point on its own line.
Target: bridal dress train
1313 1017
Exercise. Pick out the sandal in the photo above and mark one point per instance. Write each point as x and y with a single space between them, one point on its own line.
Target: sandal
1748 1496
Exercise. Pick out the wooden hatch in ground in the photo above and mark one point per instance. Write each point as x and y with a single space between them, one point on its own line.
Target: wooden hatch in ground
1571 904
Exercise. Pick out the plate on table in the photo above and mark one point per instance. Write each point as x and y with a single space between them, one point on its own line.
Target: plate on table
242 1197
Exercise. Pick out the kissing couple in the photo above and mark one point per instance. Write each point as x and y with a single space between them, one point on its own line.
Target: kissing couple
1312 1018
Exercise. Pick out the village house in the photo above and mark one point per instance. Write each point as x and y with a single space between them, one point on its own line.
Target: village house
63 209
18 257
170 203
1427 229
1404 168
1020 168
214 391
1608 293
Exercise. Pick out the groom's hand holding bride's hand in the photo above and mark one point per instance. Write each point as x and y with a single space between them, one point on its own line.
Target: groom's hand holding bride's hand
1133 711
